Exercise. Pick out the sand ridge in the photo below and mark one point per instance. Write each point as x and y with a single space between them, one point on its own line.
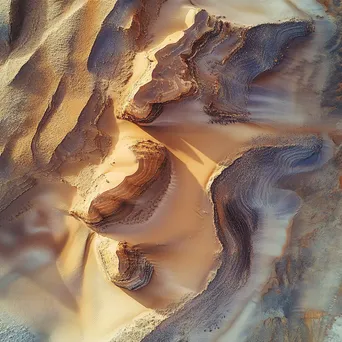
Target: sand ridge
161 164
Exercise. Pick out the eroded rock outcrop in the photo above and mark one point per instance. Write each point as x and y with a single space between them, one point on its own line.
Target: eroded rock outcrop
248 207
260 49
216 62
128 269
135 199
172 77
108 105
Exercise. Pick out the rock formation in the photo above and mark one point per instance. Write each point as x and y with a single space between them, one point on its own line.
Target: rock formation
187 67
247 208
132 272
170 170
136 198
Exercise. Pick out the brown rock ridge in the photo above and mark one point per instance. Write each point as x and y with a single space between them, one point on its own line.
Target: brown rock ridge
172 78
216 62
135 199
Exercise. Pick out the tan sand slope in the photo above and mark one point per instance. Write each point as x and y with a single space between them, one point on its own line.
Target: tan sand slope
170 170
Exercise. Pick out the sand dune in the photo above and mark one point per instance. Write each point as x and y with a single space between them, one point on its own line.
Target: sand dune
170 170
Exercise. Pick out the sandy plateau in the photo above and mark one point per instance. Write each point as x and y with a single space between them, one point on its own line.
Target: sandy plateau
170 171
